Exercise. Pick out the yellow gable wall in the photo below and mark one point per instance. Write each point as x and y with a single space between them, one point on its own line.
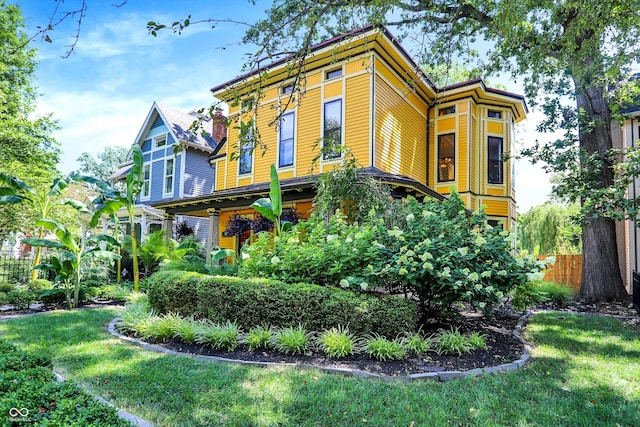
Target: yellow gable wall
400 127
354 90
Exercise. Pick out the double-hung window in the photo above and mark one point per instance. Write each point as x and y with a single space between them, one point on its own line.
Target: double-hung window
332 129
496 167
146 181
246 152
285 149
447 157
168 175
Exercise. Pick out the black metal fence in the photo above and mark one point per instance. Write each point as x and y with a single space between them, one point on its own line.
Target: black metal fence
15 267
636 291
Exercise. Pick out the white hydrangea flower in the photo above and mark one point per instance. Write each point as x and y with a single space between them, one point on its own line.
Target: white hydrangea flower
331 237
480 240
502 273
364 286
344 283
348 240
403 271
427 266
463 250
410 217
275 259
474 277
245 255
486 273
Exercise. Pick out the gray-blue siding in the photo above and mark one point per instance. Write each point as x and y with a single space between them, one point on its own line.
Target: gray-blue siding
198 174
200 226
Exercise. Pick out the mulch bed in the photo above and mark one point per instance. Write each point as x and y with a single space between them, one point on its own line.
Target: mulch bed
502 347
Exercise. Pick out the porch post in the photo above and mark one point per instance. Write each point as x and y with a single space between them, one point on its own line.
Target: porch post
213 232
167 225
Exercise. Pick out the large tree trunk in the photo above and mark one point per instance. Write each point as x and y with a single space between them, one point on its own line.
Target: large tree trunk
601 278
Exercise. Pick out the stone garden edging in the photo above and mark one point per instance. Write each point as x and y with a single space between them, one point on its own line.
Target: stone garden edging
434 376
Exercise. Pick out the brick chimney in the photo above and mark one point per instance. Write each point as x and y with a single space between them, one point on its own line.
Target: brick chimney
219 127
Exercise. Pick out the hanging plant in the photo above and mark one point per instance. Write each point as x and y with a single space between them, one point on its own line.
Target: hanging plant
237 225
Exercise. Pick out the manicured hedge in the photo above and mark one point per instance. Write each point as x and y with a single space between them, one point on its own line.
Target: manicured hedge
254 302
28 384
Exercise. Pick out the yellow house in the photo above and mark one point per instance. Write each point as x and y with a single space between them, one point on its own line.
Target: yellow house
361 90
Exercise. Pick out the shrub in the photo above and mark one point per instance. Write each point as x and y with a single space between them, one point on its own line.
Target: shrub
338 342
3 298
224 336
291 340
255 302
259 337
20 299
416 343
384 349
7 287
39 285
434 250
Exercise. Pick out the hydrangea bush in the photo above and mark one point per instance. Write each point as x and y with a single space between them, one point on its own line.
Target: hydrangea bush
436 252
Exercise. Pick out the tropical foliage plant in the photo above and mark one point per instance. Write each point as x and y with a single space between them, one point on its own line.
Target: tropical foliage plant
72 254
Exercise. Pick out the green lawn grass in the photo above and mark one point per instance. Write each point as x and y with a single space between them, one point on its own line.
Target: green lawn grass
586 371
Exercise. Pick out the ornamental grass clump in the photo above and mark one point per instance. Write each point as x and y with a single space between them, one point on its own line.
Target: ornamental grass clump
338 342
416 343
185 329
134 314
383 349
453 342
159 328
291 340
220 336
259 337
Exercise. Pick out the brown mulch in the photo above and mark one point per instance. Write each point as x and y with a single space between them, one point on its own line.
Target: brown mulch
502 347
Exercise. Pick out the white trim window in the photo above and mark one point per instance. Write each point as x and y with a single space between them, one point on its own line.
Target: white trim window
332 129
146 181
245 160
169 172
495 169
286 143
160 141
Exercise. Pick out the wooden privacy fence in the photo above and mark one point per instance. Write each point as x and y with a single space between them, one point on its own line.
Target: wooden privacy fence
567 270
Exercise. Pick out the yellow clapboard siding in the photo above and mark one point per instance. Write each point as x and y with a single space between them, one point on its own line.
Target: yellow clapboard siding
357 65
492 191
314 78
285 174
402 86
333 89
308 131
400 134
496 207
357 117
495 127
448 124
244 181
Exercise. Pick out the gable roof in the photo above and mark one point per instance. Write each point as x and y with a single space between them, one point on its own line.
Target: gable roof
178 123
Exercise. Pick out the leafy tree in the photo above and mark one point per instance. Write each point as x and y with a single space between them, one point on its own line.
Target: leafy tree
26 147
550 228
105 165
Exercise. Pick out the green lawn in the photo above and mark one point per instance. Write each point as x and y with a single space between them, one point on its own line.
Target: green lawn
586 371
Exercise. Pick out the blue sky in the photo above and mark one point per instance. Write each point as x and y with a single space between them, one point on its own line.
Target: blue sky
102 92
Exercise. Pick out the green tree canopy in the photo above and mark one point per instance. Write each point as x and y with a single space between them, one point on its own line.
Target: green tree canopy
26 147
105 164
551 229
